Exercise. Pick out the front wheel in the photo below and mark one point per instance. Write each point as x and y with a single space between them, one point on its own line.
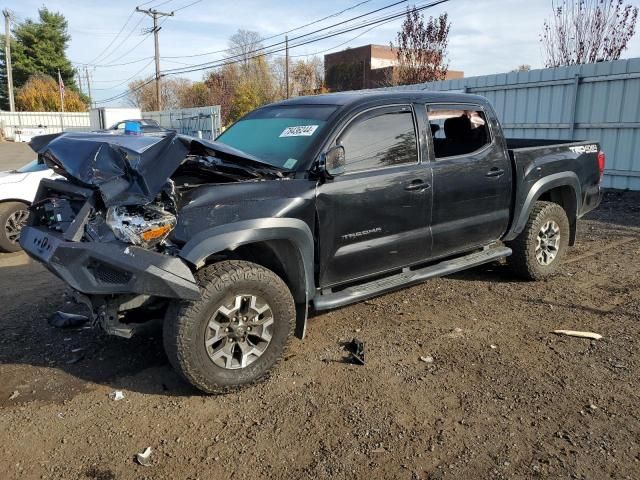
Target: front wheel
13 216
236 333
539 249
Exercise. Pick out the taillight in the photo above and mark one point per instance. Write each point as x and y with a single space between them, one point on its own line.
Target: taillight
601 162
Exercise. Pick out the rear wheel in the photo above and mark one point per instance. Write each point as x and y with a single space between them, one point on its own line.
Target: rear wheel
236 333
539 249
13 216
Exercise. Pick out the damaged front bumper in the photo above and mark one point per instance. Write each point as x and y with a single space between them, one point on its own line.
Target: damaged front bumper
113 268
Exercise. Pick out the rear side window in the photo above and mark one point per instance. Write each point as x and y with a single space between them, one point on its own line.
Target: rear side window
380 140
457 131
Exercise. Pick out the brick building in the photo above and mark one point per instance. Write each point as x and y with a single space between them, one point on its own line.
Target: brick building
369 66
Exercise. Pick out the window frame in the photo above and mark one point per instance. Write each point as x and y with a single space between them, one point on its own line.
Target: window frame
399 108
475 107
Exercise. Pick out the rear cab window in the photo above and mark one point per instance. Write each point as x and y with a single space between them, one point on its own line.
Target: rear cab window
458 130
382 137
280 135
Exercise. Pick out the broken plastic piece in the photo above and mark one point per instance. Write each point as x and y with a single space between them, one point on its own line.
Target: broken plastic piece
574 333
66 320
356 350
116 395
144 458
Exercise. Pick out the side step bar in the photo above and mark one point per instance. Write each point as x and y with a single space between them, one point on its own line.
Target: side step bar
411 277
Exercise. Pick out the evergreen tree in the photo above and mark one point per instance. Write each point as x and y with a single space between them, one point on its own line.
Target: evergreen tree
40 49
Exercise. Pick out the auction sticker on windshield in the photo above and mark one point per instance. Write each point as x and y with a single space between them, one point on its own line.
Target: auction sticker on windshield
299 131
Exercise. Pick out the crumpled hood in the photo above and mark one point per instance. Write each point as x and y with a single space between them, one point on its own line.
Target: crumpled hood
128 169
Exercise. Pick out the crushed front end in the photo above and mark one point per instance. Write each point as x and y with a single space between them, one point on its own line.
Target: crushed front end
68 233
105 229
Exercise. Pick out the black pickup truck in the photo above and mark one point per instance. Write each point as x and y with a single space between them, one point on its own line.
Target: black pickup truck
311 203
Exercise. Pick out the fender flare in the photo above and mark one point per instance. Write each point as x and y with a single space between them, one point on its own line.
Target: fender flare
560 179
233 235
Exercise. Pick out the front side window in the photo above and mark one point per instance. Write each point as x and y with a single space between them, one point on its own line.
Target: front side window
382 140
457 131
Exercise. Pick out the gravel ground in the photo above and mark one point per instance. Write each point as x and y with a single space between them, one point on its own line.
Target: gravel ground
502 398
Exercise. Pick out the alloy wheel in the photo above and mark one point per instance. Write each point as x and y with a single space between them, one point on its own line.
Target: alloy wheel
13 225
548 243
239 331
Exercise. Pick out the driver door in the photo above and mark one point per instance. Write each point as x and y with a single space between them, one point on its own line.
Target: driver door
375 216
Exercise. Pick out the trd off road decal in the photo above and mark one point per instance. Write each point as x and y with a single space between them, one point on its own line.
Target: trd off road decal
584 149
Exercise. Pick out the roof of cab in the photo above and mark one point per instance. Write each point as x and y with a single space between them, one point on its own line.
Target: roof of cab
354 98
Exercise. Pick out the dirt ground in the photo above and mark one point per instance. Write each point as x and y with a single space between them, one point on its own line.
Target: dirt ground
503 398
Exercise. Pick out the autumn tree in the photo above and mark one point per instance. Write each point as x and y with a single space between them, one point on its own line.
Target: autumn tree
221 84
422 48
175 92
41 94
587 31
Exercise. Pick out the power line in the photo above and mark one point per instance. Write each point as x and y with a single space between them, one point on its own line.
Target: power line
261 52
119 64
186 6
122 82
278 34
116 49
112 41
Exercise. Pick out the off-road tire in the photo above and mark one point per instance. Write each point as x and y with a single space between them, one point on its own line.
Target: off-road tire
523 262
6 211
185 325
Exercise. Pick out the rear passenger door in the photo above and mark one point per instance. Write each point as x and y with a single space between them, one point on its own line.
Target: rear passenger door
472 178
375 216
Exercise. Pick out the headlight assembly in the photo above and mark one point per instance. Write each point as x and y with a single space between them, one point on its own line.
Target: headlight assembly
143 226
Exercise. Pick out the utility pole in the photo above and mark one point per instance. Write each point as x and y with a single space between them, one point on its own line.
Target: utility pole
86 72
7 48
155 14
286 62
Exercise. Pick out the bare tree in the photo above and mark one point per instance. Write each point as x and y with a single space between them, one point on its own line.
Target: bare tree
422 48
587 31
243 46
522 68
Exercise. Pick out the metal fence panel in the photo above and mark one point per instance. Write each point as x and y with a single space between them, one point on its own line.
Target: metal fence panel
51 122
200 121
599 101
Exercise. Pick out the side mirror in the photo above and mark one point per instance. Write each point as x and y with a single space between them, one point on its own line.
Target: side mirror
335 161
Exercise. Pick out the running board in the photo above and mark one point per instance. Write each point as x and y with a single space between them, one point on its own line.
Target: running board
411 277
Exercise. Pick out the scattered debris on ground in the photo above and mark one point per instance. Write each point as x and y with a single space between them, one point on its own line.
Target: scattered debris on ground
356 351
144 458
116 395
67 320
460 417
574 333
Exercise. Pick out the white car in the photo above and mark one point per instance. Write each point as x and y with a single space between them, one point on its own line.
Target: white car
17 190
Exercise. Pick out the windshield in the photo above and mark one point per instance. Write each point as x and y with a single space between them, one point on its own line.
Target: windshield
279 135
32 166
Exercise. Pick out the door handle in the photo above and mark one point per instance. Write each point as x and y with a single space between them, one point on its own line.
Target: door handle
495 172
417 185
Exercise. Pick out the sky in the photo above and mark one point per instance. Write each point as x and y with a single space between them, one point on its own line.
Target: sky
486 36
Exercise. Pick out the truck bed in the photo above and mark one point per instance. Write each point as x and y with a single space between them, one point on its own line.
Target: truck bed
538 160
519 143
